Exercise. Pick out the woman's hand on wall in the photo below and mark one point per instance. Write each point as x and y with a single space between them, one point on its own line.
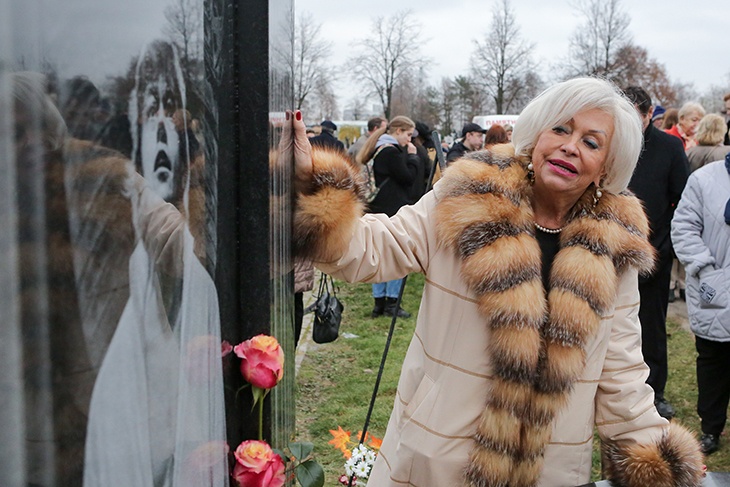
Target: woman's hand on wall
294 141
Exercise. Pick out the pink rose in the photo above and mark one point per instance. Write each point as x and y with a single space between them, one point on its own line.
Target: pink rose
258 466
262 361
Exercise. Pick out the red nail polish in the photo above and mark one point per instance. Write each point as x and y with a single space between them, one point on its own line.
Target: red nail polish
299 115
287 115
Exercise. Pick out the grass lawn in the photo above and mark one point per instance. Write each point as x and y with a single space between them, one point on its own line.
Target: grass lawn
336 380
682 391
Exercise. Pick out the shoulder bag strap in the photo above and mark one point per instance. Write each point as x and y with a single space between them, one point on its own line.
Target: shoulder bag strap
373 159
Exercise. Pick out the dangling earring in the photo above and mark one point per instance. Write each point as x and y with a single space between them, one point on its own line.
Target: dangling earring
531 173
597 195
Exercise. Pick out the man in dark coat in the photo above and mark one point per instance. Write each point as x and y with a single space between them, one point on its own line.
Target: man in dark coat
472 138
327 137
658 180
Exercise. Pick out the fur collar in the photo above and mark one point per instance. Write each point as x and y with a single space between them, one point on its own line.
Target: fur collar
538 344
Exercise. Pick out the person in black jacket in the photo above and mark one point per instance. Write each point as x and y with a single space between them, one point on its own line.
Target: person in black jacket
327 137
472 139
395 165
658 180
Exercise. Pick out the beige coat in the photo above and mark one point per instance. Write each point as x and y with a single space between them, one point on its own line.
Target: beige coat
469 350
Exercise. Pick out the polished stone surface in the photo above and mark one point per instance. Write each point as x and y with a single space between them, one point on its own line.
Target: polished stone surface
713 479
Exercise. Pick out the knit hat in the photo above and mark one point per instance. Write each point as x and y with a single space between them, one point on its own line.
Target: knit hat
658 113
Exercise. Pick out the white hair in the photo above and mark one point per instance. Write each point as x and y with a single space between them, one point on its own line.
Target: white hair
690 108
560 102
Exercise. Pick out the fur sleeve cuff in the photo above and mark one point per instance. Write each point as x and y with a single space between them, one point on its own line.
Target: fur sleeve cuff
327 211
673 461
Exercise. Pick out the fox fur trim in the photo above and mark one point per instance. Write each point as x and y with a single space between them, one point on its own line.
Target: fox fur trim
538 343
673 461
327 210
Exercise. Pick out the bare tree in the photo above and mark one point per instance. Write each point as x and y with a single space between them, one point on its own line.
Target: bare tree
420 101
309 69
503 60
184 28
634 67
408 93
359 109
383 60
602 46
324 98
529 86
685 92
596 43
711 98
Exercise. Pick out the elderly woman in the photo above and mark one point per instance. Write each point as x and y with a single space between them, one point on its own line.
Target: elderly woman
709 148
527 335
700 233
689 117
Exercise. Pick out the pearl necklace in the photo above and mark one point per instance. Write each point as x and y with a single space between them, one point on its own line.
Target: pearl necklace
548 230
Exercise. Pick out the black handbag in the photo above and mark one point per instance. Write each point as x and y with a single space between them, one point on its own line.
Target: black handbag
327 312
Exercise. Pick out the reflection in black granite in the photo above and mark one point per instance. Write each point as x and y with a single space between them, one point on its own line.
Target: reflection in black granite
109 170
281 26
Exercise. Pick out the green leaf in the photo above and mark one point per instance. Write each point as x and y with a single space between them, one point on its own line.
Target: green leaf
258 395
310 474
301 449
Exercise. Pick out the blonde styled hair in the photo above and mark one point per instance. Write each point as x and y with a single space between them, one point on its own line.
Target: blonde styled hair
560 102
711 130
400 122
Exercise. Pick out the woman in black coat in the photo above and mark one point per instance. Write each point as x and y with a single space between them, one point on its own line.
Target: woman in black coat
395 165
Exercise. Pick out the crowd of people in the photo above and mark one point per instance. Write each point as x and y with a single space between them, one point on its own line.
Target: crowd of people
592 185
691 247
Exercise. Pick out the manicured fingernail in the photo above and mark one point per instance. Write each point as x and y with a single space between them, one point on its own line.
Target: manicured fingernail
299 115
287 115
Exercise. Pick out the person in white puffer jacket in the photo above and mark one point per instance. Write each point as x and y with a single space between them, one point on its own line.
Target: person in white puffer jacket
701 239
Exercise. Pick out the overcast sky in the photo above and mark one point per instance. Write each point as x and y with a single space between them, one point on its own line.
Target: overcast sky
691 38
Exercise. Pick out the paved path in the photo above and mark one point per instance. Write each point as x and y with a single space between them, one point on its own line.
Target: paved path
305 340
